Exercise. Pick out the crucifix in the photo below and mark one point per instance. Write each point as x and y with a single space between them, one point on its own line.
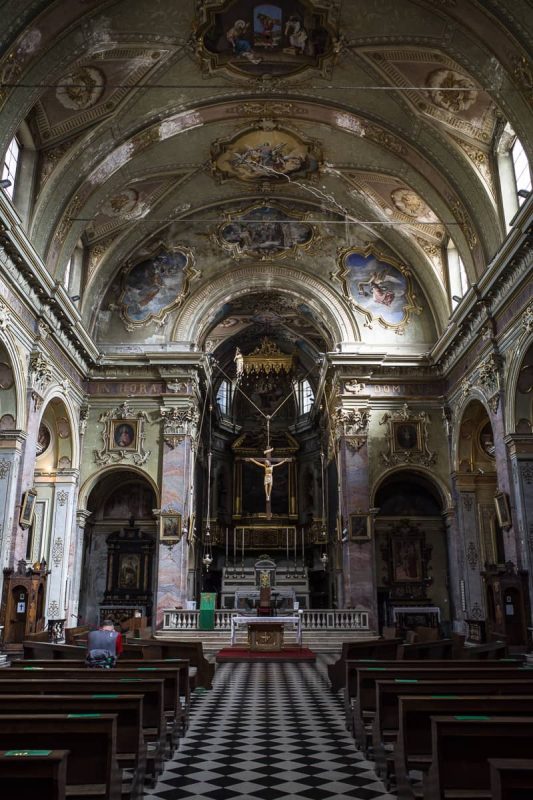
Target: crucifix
269 465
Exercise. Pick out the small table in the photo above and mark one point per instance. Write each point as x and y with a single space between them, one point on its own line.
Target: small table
278 622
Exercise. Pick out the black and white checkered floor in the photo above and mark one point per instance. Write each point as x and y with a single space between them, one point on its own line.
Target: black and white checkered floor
271 731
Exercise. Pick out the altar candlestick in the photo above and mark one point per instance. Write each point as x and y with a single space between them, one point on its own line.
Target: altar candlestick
234 549
287 540
227 548
295 549
303 554
243 551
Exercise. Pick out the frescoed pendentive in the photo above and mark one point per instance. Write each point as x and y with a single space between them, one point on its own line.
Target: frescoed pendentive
378 287
264 232
278 39
265 155
154 286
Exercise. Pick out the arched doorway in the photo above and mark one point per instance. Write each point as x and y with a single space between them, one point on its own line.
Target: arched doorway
119 549
411 553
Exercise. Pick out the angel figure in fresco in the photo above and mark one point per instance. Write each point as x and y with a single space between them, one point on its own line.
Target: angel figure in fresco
381 285
239 43
296 33
268 23
268 465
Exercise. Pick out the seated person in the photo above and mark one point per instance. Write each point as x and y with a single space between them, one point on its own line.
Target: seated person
104 646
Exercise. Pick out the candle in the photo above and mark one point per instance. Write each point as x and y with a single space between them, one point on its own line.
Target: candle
295 548
303 548
287 539
234 547
227 547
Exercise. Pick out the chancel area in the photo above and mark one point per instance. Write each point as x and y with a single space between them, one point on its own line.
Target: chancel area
266 398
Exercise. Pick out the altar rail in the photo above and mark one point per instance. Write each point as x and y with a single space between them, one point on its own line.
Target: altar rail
317 619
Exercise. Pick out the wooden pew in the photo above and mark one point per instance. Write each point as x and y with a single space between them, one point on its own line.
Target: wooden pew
184 688
151 690
386 723
73 634
511 778
365 705
369 648
92 770
461 747
176 713
418 651
130 746
31 774
48 650
351 688
413 747
489 650
168 648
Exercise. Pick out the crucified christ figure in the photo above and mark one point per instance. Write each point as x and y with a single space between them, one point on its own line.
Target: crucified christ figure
267 463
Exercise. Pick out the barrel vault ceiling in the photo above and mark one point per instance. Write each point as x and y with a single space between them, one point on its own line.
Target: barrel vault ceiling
160 125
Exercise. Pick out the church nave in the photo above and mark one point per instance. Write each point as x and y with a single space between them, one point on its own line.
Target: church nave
268 730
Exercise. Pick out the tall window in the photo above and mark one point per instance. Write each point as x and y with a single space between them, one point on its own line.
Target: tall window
522 173
9 171
224 397
457 277
306 397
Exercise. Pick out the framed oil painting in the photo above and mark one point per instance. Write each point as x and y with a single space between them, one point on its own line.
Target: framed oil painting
360 527
379 287
170 527
123 434
153 287
503 511
406 435
129 571
406 560
27 508
257 38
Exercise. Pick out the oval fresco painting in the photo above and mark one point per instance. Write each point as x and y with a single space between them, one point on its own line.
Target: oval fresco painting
264 232
378 287
275 38
154 286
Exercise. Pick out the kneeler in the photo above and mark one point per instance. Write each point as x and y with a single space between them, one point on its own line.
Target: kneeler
206 620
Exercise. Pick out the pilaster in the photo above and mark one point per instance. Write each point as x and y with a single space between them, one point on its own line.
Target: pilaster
179 419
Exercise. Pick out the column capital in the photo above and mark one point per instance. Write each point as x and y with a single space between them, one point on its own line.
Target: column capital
179 421
82 515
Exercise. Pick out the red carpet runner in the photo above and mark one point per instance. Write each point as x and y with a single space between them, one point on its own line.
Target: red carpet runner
240 654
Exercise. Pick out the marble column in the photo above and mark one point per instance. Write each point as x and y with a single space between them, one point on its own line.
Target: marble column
455 550
75 565
61 533
520 447
26 476
503 471
11 445
179 440
358 561
470 556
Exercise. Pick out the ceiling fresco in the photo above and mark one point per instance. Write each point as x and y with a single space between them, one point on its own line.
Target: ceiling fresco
251 39
347 141
266 231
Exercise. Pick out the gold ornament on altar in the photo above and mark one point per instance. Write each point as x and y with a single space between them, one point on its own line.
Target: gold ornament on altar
266 358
